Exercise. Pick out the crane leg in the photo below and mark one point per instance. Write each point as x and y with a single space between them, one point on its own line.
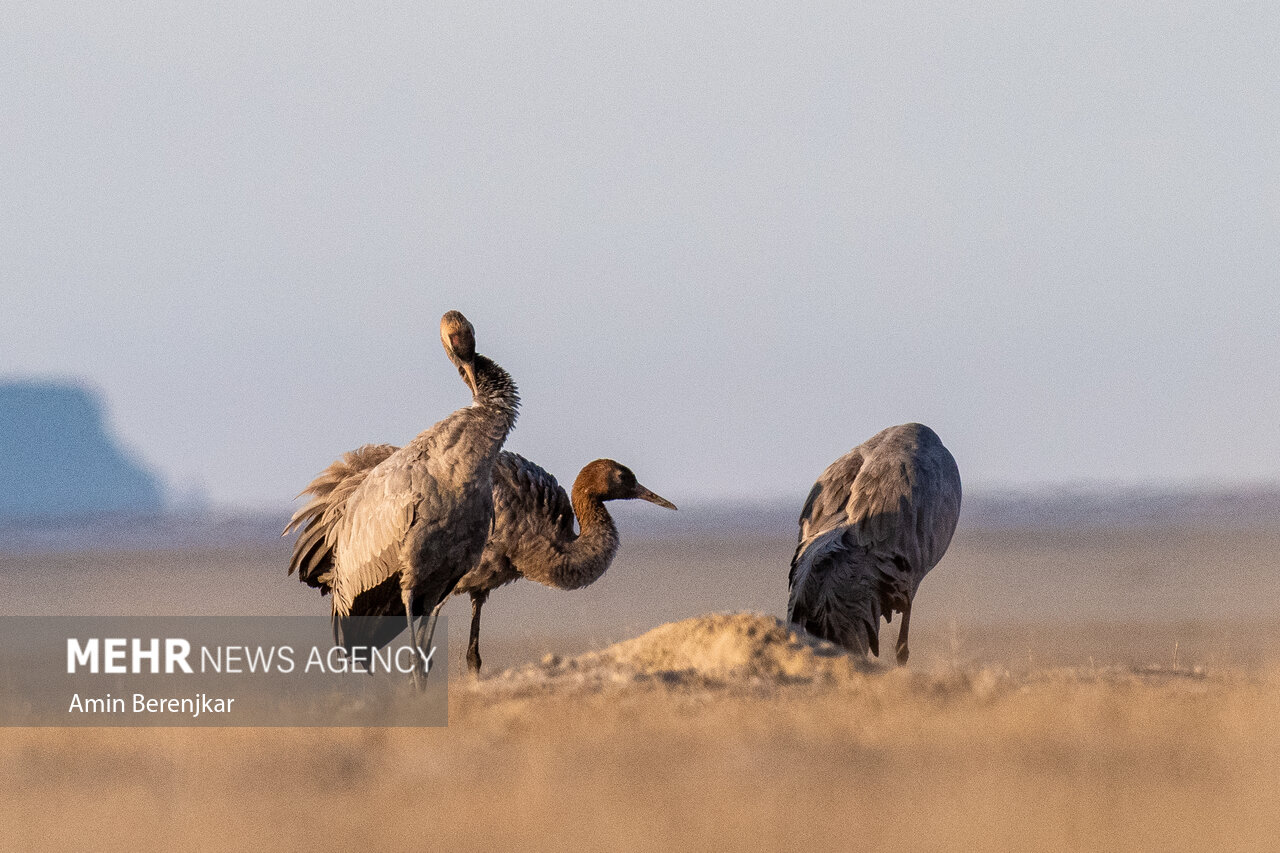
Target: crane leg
903 651
427 630
407 597
473 646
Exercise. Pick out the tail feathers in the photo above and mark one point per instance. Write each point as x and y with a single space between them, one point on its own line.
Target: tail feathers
364 630
856 635
840 591
376 617
313 554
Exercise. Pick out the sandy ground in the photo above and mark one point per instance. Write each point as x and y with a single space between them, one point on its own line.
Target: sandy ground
1068 690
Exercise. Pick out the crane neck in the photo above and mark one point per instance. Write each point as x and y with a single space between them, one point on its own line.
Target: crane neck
589 555
496 392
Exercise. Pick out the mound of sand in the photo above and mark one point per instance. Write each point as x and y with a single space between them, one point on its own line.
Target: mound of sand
720 648
757 654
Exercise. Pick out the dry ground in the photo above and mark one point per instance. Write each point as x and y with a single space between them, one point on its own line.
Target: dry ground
1061 760
1055 720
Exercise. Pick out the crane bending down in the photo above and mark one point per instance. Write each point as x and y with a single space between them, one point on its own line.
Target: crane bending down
876 521
417 521
532 535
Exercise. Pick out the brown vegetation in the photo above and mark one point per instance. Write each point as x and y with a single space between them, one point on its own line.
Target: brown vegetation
1063 726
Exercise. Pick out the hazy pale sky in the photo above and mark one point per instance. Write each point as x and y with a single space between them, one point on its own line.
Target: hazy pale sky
719 243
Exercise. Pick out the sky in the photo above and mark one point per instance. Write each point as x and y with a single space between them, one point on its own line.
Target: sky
720 243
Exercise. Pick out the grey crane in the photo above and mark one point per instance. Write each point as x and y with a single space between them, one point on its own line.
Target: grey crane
418 519
533 533
532 536
876 521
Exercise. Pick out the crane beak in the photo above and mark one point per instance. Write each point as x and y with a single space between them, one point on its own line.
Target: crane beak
469 374
645 495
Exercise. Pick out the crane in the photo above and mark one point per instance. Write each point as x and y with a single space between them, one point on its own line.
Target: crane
417 522
532 537
876 521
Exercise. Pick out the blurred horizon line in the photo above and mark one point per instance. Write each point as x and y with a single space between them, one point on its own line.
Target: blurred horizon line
1076 506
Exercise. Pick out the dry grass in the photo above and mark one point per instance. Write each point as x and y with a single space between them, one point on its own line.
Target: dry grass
754 740
1029 717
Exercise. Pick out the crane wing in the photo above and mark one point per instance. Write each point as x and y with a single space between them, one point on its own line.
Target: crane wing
524 495
528 506
906 498
825 508
369 536
318 521
897 492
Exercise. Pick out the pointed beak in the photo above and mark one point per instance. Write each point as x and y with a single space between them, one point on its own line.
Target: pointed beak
469 374
645 495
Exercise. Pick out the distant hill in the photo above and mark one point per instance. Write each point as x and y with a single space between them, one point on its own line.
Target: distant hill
57 459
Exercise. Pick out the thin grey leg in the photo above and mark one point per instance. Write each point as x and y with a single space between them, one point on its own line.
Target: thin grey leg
473 646
407 597
903 651
428 630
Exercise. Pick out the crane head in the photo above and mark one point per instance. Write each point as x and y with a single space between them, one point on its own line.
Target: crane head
459 339
612 481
